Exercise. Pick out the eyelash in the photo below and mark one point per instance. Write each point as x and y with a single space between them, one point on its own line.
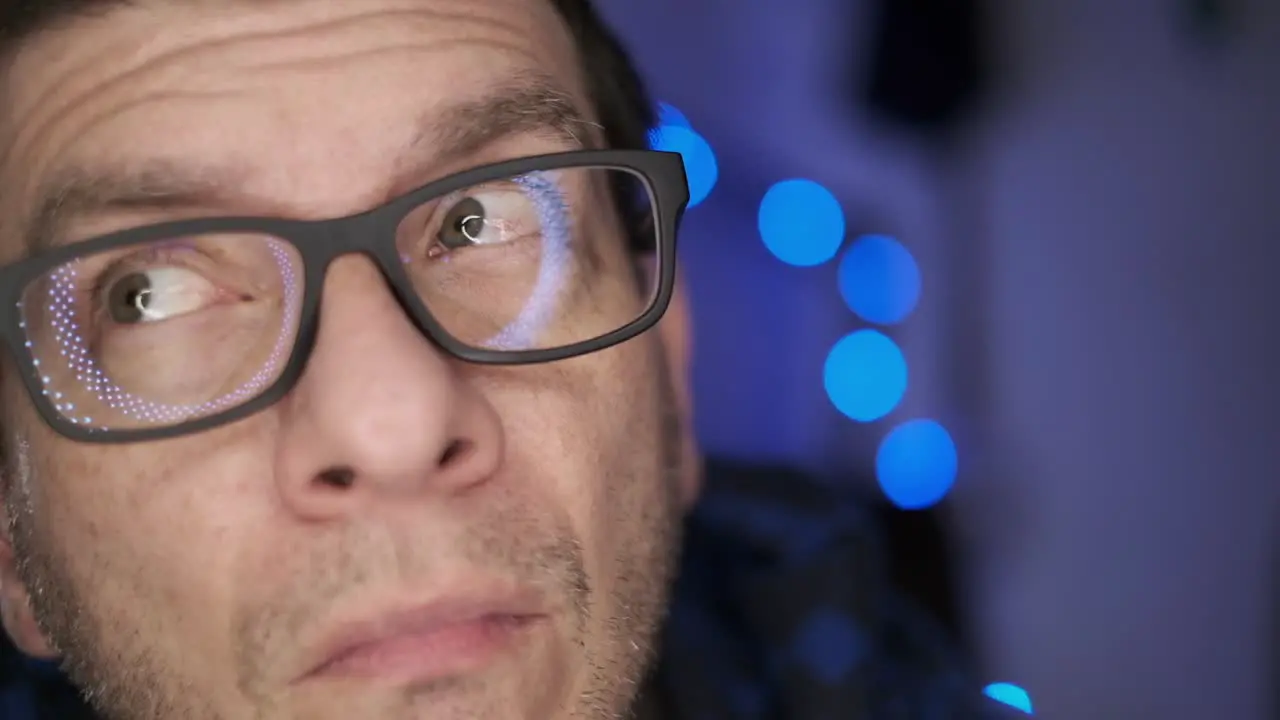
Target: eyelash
89 295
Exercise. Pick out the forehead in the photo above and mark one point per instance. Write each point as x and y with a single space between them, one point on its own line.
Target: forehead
317 98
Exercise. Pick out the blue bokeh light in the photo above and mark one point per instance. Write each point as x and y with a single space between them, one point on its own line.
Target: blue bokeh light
699 159
801 222
916 464
669 115
879 280
1011 695
865 375
830 645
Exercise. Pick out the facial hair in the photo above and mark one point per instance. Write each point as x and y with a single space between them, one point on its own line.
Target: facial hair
122 680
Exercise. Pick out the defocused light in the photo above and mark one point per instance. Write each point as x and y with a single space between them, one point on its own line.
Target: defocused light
668 116
916 464
879 280
865 375
831 644
699 160
801 222
1011 695
671 116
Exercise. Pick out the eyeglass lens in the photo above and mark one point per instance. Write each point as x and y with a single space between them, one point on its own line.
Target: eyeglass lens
170 331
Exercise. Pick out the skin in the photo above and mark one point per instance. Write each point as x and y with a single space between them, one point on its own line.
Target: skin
194 577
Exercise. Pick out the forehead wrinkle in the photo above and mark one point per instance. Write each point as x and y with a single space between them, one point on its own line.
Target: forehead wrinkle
132 50
176 48
529 103
317 35
553 109
182 55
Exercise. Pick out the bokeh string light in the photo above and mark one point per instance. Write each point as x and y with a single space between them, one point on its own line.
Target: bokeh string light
916 464
801 223
879 280
866 374
675 134
1010 695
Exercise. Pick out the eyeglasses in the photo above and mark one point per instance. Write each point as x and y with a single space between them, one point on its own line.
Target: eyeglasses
180 327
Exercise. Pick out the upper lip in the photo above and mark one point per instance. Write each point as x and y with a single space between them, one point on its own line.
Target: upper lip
442 612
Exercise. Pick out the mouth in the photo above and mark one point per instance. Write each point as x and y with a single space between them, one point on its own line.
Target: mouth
445 638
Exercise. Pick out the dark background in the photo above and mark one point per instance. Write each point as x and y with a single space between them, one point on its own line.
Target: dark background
1098 329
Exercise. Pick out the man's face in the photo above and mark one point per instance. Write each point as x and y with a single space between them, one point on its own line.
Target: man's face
394 491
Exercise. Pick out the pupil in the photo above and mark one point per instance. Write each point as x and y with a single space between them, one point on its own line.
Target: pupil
471 227
467 226
130 298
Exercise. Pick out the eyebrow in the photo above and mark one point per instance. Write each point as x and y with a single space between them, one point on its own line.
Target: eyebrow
529 104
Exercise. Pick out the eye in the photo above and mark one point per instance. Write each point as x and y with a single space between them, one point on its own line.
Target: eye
156 295
487 218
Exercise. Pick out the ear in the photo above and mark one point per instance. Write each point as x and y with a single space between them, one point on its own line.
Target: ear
675 332
16 611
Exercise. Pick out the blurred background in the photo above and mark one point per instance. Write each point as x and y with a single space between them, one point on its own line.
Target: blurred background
1010 266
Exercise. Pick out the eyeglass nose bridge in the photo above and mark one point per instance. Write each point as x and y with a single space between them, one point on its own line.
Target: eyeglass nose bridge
373 235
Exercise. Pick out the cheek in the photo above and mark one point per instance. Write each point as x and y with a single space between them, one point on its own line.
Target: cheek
589 442
150 534
553 447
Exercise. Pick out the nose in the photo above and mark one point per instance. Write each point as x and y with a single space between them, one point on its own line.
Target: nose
380 412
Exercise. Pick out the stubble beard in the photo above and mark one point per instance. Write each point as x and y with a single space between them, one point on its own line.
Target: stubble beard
123 679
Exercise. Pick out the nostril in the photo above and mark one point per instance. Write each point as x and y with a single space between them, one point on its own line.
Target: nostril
339 478
456 450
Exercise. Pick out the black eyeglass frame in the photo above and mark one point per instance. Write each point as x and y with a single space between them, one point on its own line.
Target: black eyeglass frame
372 234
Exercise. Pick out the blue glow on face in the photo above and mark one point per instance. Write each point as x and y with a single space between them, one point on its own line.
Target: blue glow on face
555 225
879 280
801 223
865 376
916 464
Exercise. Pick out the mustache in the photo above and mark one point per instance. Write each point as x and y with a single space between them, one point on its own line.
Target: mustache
305 584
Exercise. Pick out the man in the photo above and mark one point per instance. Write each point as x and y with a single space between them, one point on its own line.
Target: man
345 365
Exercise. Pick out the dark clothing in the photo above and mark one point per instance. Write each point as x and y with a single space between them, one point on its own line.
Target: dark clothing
782 611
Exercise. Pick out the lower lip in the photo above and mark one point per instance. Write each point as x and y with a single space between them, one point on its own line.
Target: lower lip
445 652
